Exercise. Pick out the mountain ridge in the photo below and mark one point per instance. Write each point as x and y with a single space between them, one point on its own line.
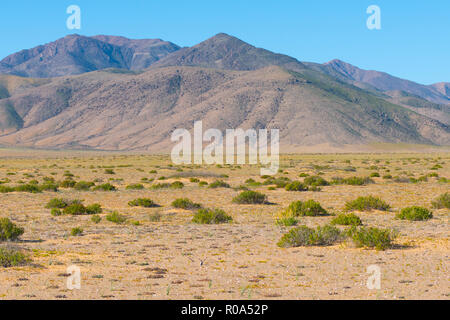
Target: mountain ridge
222 81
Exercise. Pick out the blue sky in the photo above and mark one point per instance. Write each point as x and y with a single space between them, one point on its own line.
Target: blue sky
414 42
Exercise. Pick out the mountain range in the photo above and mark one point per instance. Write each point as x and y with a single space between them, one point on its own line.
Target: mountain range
114 93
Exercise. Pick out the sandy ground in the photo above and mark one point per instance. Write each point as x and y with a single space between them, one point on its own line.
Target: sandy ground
176 259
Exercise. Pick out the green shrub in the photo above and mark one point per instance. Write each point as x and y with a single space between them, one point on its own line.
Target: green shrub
303 175
32 188
58 203
96 218
6 189
184 203
443 201
177 185
105 187
366 204
67 184
94 209
308 208
115 217
358 181
305 236
160 186
76 231
279 182
142 202
379 239
75 209
218 184
109 171
414 214
374 175
350 219
203 183
12 258
56 212
315 181
352 181
194 180
287 222
296 186
211 216
135 186
251 182
387 176
83 185
48 186
9 231
250 197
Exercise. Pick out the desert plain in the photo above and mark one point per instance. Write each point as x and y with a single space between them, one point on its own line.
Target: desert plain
159 253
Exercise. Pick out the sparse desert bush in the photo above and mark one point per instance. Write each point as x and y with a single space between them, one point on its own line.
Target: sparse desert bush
315 181
155 217
443 201
157 186
287 222
142 202
352 181
105 187
374 175
358 181
10 257
279 182
177 185
250 197
184 203
379 239
56 212
75 209
135 186
48 186
76 231
251 182
109 171
115 217
83 185
211 216
9 231
366 204
96 218
387 176
194 180
6 189
94 209
414 214
296 186
303 175
58 203
350 219
218 184
202 183
308 208
305 236
31 188
67 183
